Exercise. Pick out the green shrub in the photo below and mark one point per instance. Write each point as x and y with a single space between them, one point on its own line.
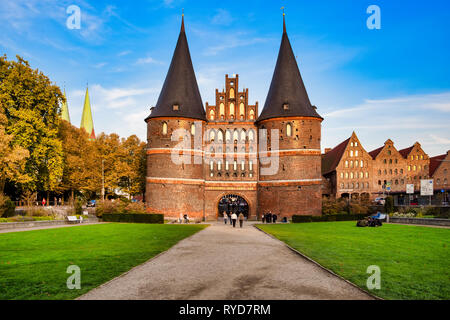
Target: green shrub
133 218
323 218
7 207
389 204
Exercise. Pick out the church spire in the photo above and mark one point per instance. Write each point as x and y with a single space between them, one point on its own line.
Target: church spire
65 109
86 118
287 96
180 96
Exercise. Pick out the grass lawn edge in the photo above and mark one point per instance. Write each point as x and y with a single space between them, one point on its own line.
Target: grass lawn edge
318 264
140 265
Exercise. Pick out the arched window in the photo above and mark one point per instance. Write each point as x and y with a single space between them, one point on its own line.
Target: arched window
193 129
346 164
414 168
235 135
243 135
356 153
222 110
219 165
379 172
232 109
250 165
346 175
252 114
231 93
362 164
227 165
211 165
220 136
351 163
164 128
228 136
367 174
351 175
356 164
351 153
289 129
243 165
251 135
361 175
242 110
212 135
211 115
235 165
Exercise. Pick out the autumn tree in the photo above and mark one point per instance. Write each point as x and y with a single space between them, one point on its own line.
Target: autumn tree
12 158
31 104
81 170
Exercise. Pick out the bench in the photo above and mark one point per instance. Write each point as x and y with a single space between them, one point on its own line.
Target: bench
74 219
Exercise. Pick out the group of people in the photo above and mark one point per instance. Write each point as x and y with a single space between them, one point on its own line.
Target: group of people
233 217
269 217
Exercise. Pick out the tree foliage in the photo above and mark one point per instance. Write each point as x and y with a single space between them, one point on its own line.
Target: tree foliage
41 152
31 105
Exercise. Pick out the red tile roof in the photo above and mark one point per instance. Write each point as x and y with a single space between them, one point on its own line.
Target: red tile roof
331 159
376 152
435 162
405 152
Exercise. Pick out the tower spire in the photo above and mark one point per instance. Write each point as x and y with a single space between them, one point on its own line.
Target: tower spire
182 20
86 118
284 20
180 96
65 109
287 96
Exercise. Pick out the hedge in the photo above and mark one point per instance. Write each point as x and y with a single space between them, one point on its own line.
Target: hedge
134 218
331 217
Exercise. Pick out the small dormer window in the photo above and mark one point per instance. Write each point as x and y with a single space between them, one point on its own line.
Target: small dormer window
285 106
176 107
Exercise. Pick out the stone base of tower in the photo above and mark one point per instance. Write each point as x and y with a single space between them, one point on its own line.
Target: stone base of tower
175 199
286 201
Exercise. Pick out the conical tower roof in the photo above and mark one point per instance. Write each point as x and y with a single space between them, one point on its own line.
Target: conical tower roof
65 109
86 118
287 95
180 96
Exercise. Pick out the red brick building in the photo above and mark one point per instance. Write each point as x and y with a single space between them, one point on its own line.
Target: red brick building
349 171
233 159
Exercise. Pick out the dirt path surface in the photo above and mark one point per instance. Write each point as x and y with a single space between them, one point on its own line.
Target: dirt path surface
227 264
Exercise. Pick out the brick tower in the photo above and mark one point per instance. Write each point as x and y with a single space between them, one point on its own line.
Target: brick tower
295 187
176 188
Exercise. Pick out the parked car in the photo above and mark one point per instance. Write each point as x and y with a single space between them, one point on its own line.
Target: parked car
380 201
91 203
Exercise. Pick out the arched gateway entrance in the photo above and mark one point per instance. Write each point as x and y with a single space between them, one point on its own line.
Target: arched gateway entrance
233 203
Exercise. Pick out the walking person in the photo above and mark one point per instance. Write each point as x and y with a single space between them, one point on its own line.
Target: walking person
225 217
263 218
274 218
241 219
234 218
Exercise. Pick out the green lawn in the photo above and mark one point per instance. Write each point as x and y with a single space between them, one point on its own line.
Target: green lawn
33 264
414 261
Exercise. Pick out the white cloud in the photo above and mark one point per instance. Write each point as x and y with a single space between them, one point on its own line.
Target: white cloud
403 119
222 17
148 60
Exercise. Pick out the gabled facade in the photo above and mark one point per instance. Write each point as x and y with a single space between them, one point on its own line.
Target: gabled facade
417 164
349 169
389 168
440 173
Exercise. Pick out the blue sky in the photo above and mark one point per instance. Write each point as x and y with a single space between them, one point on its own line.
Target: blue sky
388 83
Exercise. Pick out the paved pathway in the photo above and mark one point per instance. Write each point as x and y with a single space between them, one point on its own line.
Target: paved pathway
48 227
226 264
